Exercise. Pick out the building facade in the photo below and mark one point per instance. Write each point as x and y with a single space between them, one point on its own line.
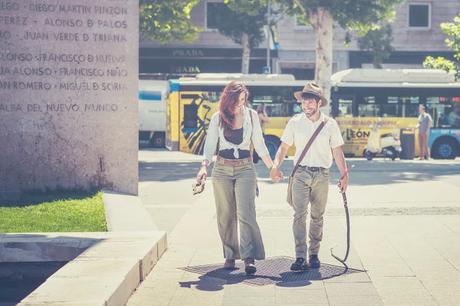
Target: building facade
416 34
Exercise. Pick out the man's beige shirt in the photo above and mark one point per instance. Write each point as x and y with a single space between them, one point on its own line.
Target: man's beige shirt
300 129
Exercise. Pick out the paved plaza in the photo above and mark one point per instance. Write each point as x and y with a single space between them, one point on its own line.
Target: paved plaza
405 240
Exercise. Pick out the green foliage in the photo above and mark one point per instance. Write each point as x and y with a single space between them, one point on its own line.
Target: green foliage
242 16
64 212
439 63
165 21
452 30
378 42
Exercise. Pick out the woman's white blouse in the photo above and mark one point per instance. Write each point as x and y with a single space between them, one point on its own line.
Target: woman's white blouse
250 131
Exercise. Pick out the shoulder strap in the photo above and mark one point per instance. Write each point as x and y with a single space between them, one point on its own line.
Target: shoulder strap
251 147
308 145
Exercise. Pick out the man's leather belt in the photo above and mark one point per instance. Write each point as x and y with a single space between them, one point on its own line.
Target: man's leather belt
313 169
233 162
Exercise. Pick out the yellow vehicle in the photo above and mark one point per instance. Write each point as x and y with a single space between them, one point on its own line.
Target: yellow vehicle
193 100
361 97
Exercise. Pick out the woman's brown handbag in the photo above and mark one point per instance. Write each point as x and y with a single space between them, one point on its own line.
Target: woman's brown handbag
304 152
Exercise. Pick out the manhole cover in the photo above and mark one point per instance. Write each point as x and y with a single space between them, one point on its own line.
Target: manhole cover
270 271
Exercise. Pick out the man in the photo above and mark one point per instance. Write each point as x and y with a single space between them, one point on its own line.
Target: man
424 124
311 180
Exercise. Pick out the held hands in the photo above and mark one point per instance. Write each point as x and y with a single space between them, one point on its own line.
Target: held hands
276 175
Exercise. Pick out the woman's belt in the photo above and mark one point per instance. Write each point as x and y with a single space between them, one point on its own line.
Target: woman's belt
234 162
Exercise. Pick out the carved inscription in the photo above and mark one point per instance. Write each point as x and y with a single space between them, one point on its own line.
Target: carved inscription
49 68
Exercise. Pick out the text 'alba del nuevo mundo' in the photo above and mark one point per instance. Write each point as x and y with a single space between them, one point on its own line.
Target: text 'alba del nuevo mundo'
68 95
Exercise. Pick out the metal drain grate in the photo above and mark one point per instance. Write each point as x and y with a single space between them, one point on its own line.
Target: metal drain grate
273 270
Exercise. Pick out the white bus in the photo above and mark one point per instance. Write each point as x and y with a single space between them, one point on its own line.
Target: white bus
152 112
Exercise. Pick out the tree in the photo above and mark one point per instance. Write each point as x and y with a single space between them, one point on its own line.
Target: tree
167 20
378 42
355 15
243 22
452 30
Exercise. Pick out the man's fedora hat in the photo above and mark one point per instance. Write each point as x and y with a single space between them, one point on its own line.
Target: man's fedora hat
311 88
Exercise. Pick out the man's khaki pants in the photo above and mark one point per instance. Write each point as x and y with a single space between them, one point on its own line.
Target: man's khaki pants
309 187
234 193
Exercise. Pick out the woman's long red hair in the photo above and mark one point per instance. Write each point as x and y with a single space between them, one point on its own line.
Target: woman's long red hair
228 101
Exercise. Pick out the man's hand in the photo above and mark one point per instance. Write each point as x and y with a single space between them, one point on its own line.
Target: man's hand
343 183
276 174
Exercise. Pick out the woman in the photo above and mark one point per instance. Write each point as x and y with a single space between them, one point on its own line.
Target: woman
233 129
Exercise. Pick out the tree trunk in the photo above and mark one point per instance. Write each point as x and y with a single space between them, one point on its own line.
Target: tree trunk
246 53
322 24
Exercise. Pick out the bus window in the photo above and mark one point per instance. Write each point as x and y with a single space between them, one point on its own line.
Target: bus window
445 111
345 106
278 110
191 116
401 107
391 107
367 106
410 106
296 108
275 105
454 116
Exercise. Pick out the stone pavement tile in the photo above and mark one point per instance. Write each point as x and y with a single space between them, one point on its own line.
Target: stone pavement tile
298 296
348 289
432 274
448 300
409 300
396 290
149 297
195 296
242 290
451 222
355 300
383 269
444 289
393 287
356 277
162 284
248 301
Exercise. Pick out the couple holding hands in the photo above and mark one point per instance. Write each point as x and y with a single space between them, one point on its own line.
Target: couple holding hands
231 132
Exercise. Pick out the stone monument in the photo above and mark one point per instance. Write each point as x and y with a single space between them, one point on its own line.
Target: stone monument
68 95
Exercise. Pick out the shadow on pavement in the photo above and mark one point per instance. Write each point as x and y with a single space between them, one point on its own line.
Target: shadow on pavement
168 171
274 270
362 172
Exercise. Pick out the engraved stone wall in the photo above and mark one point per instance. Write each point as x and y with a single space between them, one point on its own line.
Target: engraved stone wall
68 95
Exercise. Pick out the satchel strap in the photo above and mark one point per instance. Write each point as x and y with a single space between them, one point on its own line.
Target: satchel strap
308 145
251 146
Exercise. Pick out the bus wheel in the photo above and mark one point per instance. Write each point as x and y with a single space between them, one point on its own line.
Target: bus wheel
445 148
272 143
158 140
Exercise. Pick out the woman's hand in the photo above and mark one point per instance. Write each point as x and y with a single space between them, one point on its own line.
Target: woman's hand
202 174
